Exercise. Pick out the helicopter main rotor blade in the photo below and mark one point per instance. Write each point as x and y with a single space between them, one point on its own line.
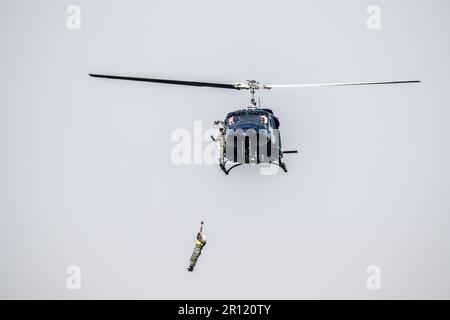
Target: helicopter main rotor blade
236 86
335 84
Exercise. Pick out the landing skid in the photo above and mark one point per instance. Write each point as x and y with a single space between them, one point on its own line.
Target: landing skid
226 170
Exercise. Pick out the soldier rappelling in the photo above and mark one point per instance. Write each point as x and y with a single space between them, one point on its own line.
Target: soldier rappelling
199 244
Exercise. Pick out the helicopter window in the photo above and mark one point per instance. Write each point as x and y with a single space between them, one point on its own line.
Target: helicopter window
277 122
233 120
249 118
252 118
263 120
256 118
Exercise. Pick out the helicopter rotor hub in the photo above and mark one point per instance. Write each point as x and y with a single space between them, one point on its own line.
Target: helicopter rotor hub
251 85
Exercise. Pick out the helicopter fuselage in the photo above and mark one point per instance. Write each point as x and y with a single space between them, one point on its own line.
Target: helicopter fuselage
252 136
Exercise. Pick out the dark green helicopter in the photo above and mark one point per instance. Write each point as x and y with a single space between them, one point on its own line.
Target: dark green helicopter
250 135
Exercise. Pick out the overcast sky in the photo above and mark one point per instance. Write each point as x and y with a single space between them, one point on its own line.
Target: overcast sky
87 179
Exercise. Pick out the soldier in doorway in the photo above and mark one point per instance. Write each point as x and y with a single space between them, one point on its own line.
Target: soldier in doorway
221 140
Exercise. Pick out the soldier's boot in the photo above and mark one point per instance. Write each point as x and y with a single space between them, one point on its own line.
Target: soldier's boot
190 269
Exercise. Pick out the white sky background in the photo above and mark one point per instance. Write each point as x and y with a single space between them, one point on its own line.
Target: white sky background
86 176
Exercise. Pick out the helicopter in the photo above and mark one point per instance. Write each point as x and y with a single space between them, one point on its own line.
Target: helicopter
250 135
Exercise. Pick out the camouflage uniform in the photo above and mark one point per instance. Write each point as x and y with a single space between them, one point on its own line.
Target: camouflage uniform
221 140
221 148
199 244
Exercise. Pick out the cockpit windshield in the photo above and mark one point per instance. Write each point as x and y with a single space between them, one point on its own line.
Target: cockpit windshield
249 118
